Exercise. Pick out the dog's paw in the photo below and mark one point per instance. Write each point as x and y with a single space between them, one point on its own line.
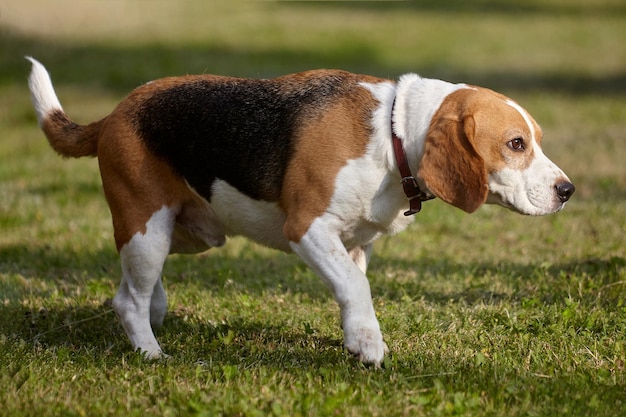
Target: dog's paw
366 344
153 355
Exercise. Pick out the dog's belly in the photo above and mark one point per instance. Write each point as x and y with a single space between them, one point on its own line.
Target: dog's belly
240 215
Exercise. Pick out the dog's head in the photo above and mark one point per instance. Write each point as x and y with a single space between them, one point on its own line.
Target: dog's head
482 147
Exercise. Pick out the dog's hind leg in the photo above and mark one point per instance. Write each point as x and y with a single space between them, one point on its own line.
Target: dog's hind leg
361 256
158 305
145 196
140 300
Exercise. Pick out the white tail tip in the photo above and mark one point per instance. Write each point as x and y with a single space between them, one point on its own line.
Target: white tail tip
41 90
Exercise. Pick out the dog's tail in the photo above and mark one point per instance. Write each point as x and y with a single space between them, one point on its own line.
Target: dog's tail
65 136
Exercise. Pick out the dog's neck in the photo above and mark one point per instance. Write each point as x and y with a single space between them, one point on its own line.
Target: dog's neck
406 109
416 101
409 183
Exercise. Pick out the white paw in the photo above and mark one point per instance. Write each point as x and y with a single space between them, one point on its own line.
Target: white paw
367 344
153 354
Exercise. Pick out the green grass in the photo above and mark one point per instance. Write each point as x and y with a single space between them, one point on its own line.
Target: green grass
491 314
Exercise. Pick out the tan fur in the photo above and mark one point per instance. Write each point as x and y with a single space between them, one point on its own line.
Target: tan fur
310 178
494 127
129 171
128 178
451 167
333 197
465 143
70 139
459 141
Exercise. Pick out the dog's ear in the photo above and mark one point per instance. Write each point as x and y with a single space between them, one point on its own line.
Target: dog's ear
450 166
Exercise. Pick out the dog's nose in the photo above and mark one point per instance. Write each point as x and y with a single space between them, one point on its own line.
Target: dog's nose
565 190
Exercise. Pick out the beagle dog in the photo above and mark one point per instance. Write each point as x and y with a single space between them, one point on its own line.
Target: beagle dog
319 163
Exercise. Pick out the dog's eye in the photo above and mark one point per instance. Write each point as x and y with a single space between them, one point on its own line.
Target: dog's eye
516 144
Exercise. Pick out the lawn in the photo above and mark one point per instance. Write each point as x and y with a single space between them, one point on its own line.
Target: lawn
489 314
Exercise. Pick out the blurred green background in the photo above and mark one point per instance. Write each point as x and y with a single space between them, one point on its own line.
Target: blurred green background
489 314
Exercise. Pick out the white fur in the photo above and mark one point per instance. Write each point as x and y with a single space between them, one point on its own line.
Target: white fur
380 145
368 201
324 252
529 191
241 215
42 92
525 116
416 101
141 301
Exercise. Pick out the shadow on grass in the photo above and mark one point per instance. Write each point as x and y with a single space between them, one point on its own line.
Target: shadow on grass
125 68
254 273
95 328
210 356
252 342
41 261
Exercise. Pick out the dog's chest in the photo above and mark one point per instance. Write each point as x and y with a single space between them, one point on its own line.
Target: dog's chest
362 210
367 203
364 232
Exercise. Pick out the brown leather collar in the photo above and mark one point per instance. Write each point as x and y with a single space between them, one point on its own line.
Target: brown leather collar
409 184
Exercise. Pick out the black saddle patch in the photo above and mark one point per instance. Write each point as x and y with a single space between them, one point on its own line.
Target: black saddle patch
238 130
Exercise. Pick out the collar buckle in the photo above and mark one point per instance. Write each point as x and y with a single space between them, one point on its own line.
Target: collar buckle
414 194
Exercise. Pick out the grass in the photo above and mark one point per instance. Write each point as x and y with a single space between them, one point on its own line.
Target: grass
489 314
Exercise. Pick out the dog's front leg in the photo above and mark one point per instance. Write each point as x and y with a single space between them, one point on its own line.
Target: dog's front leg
343 272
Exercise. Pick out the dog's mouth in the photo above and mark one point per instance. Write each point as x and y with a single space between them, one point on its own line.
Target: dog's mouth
496 199
529 208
